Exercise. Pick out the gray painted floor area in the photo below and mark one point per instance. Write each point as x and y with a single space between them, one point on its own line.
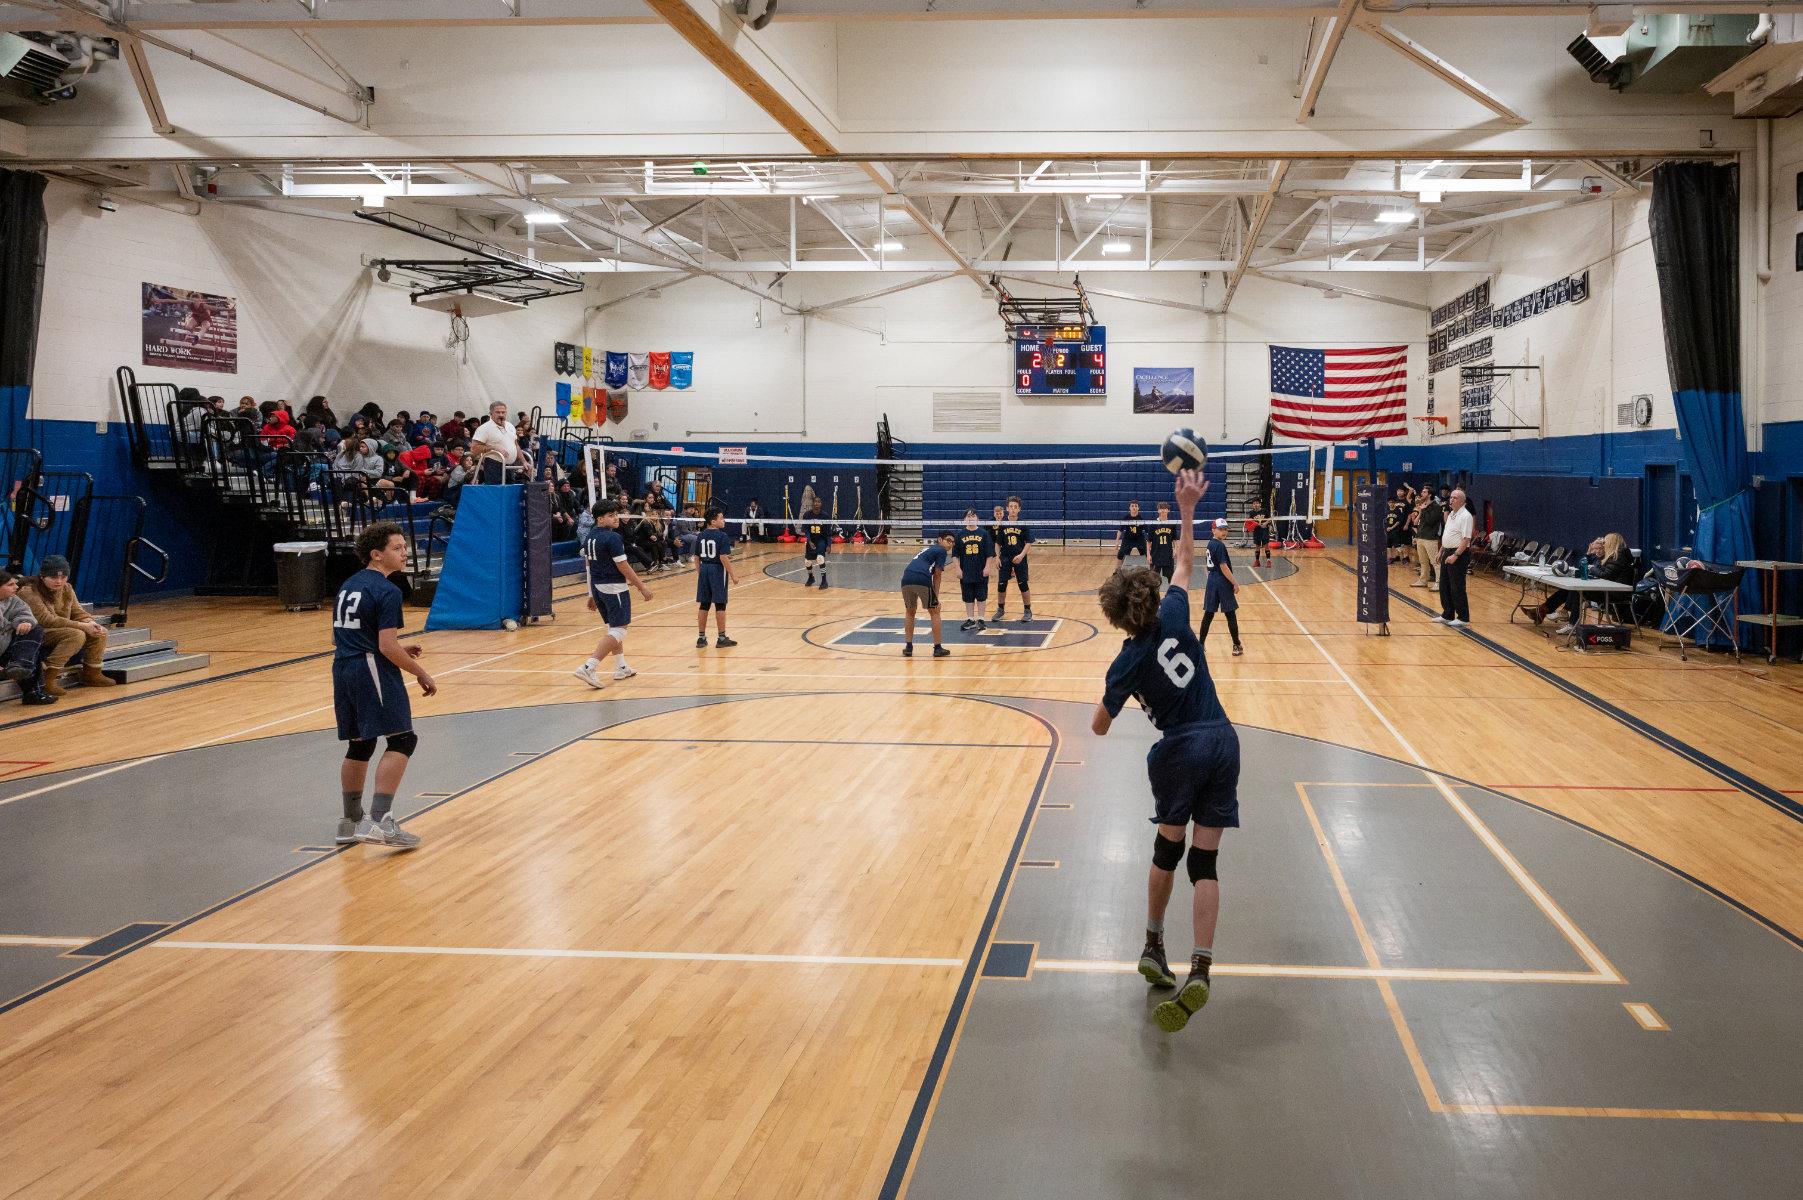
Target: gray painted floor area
1061 1086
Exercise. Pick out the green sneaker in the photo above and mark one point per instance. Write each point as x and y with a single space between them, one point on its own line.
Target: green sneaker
1173 1015
1153 966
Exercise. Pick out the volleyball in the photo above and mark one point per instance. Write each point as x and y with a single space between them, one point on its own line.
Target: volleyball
1184 450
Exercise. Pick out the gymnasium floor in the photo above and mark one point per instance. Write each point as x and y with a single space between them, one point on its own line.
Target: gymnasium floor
803 918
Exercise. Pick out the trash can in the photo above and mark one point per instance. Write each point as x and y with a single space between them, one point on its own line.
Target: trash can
300 574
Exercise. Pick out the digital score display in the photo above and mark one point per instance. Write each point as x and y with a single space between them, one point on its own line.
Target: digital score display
1060 360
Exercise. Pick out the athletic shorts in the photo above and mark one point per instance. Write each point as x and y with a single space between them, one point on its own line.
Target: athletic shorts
615 607
1261 535
1129 545
1167 569
710 585
1218 595
817 550
974 589
369 694
1195 774
919 595
1017 571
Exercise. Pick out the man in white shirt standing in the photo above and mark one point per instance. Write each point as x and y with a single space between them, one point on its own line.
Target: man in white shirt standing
1455 560
497 443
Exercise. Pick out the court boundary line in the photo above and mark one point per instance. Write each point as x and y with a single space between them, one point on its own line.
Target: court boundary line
829 960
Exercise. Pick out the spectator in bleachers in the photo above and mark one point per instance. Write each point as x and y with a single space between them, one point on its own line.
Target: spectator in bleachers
427 480
247 407
395 435
425 430
278 430
372 413
495 445
21 643
67 625
357 428
318 407
564 503
396 478
453 429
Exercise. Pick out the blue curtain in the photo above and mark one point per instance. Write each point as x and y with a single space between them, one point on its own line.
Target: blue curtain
1695 222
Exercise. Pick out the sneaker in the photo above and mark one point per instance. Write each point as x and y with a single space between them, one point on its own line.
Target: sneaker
967 626
347 832
1438 620
982 625
941 652
1565 628
1173 1015
19 672
701 641
723 640
625 673
1418 583
1000 613
587 674
810 582
1238 649
1433 587
1153 966
908 650
1458 624
1026 616
385 833
823 583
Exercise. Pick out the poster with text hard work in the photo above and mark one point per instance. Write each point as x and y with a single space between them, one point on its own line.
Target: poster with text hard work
196 331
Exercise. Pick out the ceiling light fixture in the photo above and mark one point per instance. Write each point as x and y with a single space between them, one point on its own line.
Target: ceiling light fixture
545 218
891 244
1117 247
1104 196
375 199
1396 217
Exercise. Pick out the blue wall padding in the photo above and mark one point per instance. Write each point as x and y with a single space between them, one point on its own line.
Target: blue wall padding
483 577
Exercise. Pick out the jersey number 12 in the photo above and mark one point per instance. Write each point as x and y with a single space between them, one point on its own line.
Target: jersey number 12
1180 668
346 615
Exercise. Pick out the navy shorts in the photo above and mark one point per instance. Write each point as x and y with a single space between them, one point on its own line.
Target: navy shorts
1195 773
974 589
817 550
710 585
615 607
1167 569
1016 571
1129 545
1218 596
1261 535
369 695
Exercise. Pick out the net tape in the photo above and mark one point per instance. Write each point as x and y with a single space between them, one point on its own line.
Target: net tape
713 456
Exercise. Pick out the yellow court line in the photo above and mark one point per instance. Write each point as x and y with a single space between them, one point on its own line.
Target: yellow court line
1302 971
1648 1114
1643 1012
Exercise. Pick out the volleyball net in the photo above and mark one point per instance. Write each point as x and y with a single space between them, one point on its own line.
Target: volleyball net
1063 497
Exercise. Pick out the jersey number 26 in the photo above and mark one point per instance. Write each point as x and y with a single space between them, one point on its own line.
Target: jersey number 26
1180 668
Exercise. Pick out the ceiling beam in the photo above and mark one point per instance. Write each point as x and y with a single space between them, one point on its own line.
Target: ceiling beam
1408 233
1253 228
1322 63
1347 291
132 51
1438 67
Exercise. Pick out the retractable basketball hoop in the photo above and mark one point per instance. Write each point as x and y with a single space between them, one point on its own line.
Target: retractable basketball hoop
1431 425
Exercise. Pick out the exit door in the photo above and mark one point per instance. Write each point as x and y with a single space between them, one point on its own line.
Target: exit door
1661 532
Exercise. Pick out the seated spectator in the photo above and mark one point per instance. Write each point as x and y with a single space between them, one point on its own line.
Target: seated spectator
425 430
21 644
278 430
396 478
564 503
754 526
357 428
359 467
318 407
585 521
453 429
396 435
67 625
372 413
1609 559
427 480
457 474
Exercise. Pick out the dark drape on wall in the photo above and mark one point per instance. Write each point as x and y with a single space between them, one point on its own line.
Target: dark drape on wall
23 236
1695 222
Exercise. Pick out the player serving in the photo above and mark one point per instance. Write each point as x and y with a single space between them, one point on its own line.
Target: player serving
610 580
1194 767
1011 542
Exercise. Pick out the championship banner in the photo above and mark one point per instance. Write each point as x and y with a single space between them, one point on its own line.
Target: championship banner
578 406
196 331
660 370
638 370
1371 504
616 371
616 405
682 369
592 413
588 362
563 400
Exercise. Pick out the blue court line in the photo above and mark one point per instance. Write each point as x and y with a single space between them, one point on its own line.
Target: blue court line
1683 749
817 742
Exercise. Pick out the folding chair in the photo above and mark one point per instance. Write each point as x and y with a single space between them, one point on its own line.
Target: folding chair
1702 602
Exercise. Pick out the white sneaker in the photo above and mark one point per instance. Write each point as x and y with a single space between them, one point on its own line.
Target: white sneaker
1458 623
1433 587
1438 620
625 673
1565 628
587 674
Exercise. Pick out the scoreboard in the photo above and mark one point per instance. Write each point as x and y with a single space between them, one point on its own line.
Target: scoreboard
1060 360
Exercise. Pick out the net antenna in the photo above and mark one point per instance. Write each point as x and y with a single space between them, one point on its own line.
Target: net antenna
594 462
1032 311
1491 397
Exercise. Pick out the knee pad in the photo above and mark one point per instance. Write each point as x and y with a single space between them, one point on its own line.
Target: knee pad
402 743
1201 864
361 750
1166 853
617 633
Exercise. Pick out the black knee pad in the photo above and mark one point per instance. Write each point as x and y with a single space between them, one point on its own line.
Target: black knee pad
403 743
361 750
1201 864
1166 854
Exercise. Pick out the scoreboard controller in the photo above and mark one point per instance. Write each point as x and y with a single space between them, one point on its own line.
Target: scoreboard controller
1060 360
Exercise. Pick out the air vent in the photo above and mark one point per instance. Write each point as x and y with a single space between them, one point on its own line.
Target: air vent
967 412
29 66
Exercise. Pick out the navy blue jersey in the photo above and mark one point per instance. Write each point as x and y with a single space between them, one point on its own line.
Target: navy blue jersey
817 529
712 545
1164 538
367 604
920 571
1217 556
1131 530
604 551
1164 670
1013 539
974 549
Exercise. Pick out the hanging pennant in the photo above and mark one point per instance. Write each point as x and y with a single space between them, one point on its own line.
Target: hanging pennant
616 371
588 361
563 400
682 369
593 412
576 405
616 405
660 370
560 358
638 370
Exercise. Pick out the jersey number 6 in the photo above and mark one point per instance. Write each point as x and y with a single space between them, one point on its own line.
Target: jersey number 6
1179 667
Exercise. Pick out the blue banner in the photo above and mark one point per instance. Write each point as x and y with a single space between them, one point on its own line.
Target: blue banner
682 368
616 371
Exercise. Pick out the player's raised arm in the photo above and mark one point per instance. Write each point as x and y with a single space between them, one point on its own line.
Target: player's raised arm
1191 487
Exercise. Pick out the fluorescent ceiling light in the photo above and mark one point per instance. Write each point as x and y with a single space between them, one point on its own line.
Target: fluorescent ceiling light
375 199
545 218
1396 217
1117 247
891 244
1103 196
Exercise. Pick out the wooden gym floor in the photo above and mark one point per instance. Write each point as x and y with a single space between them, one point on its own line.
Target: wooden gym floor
803 918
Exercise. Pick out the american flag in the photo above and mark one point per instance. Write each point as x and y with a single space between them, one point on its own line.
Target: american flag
1339 395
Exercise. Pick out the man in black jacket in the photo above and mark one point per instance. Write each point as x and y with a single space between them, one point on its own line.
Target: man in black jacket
1428 528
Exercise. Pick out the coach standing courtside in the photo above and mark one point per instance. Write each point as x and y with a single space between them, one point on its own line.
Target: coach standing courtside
1455 560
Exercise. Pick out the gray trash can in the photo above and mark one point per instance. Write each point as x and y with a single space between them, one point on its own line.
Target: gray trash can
300 574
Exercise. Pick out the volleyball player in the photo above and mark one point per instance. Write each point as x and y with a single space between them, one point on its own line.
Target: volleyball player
610 580
1011 551
976 563
1194 768
368 693
1261 532
920 588
1130 536
713 551
1221 593
1162 537
818 532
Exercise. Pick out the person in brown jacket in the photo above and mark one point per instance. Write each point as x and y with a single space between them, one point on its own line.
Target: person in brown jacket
66 625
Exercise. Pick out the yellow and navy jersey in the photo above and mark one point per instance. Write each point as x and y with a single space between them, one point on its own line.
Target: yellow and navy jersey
974 548
1013 538
1393 518
1132 530
1164 538
817 529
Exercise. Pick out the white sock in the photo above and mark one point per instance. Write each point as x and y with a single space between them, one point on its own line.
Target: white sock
592 663
620 660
